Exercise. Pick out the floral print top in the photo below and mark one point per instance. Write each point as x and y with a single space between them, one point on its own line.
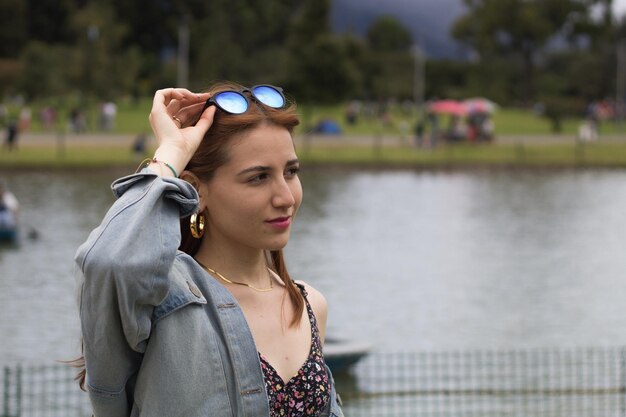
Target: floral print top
308 392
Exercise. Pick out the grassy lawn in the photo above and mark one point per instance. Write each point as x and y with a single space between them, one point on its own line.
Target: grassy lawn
74 156
528 155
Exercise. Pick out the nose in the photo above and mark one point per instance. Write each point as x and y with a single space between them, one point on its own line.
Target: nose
283 194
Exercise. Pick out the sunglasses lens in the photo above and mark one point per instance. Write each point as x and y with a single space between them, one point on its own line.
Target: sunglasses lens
269 96
232 102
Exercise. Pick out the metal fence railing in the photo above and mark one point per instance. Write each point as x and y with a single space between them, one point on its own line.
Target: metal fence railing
528 383
524 383
42 391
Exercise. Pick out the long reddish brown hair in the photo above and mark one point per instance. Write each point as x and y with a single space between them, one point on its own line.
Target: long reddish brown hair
213 153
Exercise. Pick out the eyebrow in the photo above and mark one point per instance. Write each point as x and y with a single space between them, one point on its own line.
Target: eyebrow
262 168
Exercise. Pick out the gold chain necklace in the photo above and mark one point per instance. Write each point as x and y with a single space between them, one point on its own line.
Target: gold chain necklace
223 278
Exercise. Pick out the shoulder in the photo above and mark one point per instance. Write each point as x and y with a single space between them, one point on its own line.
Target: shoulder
316 299
182 291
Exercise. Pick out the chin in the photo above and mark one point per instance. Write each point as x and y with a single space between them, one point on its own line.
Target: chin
278 245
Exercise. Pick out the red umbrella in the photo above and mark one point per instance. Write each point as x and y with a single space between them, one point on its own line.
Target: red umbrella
448 107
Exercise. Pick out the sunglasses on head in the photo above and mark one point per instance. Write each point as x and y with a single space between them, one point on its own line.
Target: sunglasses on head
235 102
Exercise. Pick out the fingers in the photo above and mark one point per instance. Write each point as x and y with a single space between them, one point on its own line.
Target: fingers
192 136
188 115
179 105
173 99
206 120
163 97
183 100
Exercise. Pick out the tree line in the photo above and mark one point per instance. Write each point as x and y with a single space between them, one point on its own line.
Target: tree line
559 52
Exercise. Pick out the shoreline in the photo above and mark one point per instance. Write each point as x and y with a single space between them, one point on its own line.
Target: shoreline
126 139
310 166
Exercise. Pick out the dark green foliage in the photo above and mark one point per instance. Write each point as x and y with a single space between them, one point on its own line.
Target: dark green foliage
321 73
386 34
519 32
557 108
13 27
96 49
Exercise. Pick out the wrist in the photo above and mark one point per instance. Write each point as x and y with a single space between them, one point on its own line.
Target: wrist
173 161
153 163
161 168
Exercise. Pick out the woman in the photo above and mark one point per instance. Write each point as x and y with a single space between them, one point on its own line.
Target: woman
217 328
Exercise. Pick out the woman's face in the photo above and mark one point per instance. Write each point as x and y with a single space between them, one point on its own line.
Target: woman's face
252 200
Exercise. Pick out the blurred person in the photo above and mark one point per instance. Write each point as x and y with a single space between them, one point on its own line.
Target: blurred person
352 112
186 305
587 131
474 126
139 145
12 132
433 121
108 112
487 129
48 117
457 130
403 127
77 120
420 128
25 119
9 208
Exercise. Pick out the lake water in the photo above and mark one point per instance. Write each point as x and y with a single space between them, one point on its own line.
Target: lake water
407 260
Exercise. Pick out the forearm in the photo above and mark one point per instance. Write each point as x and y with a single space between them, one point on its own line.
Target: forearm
123 271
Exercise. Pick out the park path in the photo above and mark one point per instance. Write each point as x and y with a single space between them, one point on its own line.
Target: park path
125 140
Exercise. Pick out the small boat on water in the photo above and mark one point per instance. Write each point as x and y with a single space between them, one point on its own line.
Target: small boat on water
8 226
341 354
9 207
8 236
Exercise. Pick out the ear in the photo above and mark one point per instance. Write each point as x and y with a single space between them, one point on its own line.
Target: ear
195 182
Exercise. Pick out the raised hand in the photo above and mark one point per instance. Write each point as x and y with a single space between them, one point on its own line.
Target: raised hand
173 112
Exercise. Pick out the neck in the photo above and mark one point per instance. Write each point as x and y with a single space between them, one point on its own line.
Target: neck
244 284
248 267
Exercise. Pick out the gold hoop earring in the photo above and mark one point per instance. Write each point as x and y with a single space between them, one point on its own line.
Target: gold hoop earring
196 225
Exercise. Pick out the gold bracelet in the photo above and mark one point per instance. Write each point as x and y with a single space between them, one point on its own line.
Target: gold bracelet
148 161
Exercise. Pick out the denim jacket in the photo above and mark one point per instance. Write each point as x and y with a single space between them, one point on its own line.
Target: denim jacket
160 338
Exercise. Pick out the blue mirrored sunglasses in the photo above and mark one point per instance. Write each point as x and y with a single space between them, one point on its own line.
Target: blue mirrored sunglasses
235 102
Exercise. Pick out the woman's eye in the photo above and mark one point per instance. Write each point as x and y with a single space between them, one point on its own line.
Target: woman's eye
259 178
293 171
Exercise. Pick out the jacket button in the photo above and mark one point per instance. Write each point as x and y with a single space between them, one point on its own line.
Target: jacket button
194 290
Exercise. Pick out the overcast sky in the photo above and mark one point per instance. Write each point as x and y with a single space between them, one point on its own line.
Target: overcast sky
620 7
429 21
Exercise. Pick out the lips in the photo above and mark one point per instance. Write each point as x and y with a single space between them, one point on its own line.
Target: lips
280 222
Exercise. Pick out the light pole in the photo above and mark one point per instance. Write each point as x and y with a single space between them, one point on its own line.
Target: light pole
92 36
418 75
93 33
182 74
620 82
